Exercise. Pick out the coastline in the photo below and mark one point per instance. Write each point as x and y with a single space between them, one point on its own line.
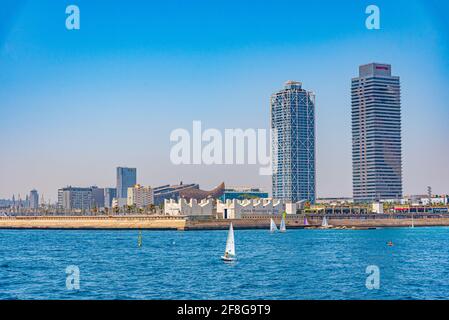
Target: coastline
182 223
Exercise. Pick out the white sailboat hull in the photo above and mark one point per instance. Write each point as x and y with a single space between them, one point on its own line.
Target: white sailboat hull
228 259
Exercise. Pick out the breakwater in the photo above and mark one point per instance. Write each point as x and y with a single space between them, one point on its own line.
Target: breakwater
210 223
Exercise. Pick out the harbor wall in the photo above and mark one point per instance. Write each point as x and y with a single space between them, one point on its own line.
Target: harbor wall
85 222
201 223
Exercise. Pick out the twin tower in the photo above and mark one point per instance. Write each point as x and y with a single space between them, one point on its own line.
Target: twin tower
376 138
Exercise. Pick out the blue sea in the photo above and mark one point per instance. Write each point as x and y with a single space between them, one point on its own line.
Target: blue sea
298 264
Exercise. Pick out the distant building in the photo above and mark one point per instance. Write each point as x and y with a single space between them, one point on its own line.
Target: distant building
377 207
242 193
126 178
341 200
376 134
98 197
140 196
188 208
417 200
6 203
199 194
109 195
33 199
167 192
187 191
293 143
119 202
75 198
236 209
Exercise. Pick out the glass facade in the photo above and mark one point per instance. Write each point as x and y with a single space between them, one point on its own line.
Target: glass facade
376 134
34 199
126 178
293 143
109 194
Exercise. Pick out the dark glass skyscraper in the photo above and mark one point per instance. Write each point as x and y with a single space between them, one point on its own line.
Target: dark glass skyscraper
34 199
293 143
126 178
376 134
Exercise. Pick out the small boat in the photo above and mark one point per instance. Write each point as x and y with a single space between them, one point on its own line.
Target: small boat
282 227
273 227
229 254
390 243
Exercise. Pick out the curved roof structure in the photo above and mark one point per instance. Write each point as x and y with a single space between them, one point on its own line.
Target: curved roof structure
199 194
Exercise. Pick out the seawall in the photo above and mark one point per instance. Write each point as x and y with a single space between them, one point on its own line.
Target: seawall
93 222
202 223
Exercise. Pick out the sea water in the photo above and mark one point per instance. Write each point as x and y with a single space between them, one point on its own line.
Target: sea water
298 264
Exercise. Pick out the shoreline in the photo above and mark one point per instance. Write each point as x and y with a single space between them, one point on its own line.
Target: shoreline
181 223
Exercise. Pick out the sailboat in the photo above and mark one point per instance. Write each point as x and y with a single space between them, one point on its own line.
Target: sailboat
282 227
324 224
229 254
306 222
139 239
273 227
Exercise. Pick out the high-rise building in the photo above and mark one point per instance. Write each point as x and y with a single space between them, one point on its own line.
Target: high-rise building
376 134
140 196
34 199
293 143
109 195
126 178
75 198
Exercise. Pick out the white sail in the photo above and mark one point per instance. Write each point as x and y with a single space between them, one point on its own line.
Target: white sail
273 226
282 227
324 223
230 246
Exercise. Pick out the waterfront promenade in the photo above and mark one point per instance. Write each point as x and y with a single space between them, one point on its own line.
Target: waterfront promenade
210 223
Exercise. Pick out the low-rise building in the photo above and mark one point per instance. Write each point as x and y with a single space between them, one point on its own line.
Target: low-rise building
237 209
75 198
418 200
119 203
335 201
187 191
182 207
243 193
167 192
378 207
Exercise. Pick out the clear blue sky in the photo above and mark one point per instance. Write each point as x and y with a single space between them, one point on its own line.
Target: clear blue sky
76 104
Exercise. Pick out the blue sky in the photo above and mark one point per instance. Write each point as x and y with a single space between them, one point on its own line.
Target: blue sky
76 104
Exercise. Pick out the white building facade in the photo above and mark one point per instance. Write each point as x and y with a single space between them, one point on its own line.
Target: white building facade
140 196
236 209
192 208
